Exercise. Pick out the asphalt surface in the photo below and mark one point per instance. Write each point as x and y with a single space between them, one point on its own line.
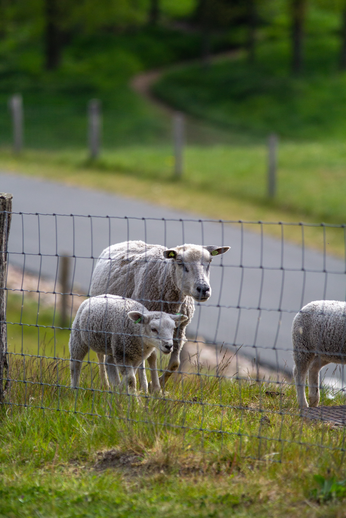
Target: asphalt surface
258 286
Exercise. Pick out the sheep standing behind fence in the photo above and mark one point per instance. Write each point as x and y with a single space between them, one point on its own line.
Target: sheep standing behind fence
125 333
162 279
318 335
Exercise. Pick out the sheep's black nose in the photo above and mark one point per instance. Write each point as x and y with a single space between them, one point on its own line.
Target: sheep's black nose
203 291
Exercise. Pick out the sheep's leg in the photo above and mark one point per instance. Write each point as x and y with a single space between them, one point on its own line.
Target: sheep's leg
314 389
78 350
173 365
154 385
129 380
299 372
112 371
143 382
102 370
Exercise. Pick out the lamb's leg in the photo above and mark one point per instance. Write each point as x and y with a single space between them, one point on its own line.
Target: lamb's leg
154 385
102 369
143 382
314 389
112 371
299 372
78 350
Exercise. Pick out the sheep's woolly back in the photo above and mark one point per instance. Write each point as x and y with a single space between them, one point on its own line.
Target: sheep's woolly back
320 328
140 271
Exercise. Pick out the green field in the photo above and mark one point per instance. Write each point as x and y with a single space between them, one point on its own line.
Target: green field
211 446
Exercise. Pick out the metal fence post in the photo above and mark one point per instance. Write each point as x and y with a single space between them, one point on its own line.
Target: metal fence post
5 224
178 136
16 107
94 124
272 164
64 276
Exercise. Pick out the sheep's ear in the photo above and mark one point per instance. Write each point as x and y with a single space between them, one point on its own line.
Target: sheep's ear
217 250
170 254
180 319
138 318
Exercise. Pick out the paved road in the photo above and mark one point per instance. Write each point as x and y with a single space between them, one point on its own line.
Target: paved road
257 287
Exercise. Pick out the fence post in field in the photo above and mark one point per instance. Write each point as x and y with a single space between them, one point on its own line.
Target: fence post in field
94 125
5 224
272 164
178 136
16 107
64 277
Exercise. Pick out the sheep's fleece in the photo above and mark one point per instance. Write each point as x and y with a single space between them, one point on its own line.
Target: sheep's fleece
161 279
123 330
319 338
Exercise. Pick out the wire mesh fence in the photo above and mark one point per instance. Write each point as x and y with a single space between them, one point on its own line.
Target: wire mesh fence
234 381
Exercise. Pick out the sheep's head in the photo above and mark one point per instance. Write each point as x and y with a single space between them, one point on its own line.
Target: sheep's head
192 264
158 327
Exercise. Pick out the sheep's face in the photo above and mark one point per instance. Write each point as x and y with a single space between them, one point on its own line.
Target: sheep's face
158 328
192 269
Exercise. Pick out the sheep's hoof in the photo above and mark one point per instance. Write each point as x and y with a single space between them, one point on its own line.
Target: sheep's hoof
154 390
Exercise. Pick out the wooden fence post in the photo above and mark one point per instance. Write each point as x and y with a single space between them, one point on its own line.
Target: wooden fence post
178 136
5 224
272 164
64 277
16 107
94 136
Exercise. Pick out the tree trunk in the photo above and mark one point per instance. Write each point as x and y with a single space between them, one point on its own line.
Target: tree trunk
5 224
154 12
204 11
252 26
53 40
343 41
298 9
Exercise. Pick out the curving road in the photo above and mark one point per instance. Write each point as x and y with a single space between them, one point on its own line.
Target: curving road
257 287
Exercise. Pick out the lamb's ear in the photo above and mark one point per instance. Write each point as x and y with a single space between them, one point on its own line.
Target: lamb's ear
138 317
217 250
180 319
170 254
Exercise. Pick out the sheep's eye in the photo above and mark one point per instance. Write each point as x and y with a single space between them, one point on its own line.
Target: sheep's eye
154 330
183 266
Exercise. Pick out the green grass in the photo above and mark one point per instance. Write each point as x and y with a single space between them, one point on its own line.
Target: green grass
211 446
265 98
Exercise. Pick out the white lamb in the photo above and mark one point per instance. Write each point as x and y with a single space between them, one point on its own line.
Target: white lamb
319 338
125 332
162 279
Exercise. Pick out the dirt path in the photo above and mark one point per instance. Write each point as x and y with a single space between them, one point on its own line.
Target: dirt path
142 83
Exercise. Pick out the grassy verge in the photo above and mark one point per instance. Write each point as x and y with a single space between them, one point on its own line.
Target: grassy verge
211 446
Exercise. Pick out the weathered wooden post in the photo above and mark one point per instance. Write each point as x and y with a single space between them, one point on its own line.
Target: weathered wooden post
5 224
178 136
16 107
64 277
94 137
272 164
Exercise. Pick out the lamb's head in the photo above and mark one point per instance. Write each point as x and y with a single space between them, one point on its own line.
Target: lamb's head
157 328
192 264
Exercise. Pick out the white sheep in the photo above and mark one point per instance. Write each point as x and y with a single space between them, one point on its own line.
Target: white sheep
162 279
319 338
123 331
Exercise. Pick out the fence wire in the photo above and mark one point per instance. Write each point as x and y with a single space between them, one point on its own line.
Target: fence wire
234 382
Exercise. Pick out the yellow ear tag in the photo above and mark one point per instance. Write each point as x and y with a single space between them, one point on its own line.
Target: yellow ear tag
215 252
172 254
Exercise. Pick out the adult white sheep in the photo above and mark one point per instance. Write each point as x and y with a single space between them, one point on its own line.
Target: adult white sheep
319 338
125 332
162 279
